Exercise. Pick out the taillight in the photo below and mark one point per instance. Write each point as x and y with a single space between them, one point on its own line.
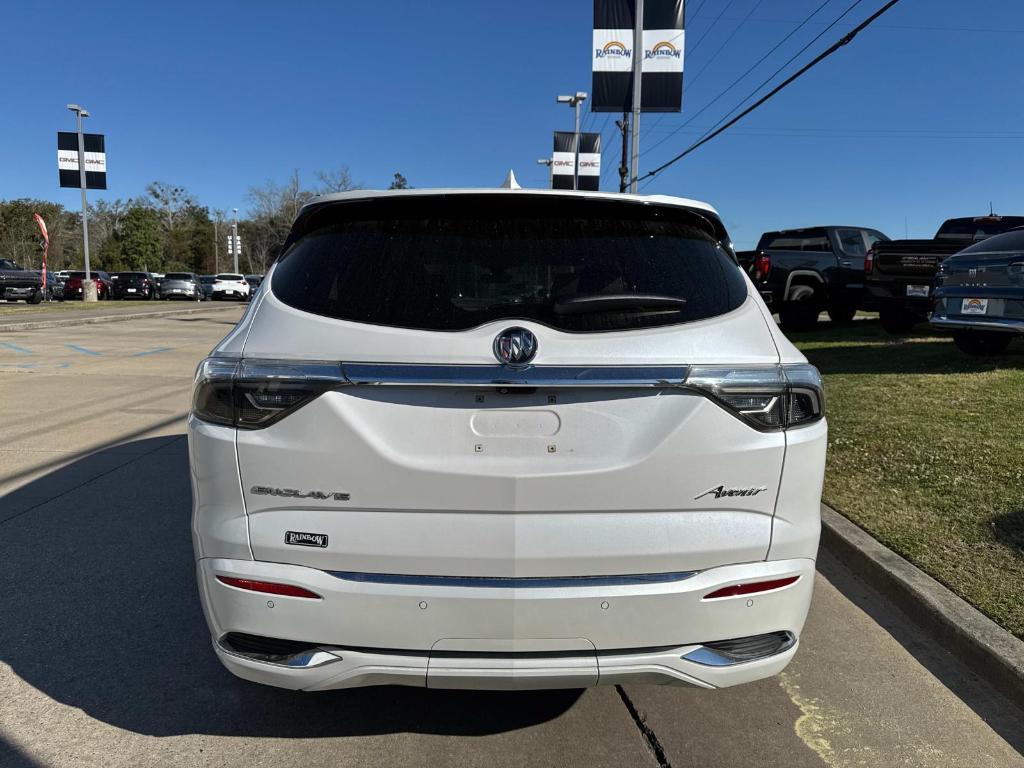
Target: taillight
751 588
762 266
268 587
253 394
766 397
869 261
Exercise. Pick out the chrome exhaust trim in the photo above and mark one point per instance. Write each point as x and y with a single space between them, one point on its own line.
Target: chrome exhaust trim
726 653
303 659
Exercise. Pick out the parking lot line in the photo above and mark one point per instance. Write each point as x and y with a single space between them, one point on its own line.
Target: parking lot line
16 348
153 351
83 350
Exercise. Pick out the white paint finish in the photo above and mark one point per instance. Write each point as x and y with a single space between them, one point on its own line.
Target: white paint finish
797 522
219 524
472 482
638 616
740 337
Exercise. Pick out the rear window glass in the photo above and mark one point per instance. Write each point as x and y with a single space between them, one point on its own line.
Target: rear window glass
796 240
453 263
235 278
978 228
178 276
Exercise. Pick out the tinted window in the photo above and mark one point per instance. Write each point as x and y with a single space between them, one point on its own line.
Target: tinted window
796 240
1009 242
207 279
978 228
179 276
236 278
851 241
453 263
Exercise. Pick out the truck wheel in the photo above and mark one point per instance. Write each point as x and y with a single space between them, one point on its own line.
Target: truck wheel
896 320
35 298
981 343
799 315
842 313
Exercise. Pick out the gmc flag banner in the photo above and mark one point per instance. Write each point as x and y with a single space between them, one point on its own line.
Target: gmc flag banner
662 64
564 157
95 160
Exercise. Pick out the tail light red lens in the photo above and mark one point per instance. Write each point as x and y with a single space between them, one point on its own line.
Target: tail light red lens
253 394
268 587
869 261
762 266
751 588
766 397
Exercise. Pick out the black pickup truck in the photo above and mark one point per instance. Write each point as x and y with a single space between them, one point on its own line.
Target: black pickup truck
19 284
900 273
800 272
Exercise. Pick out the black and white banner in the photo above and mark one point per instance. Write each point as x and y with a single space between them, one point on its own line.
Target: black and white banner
95 160
563 161
664 36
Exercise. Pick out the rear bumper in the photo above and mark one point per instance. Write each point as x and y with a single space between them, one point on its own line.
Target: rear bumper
1002 325
425 634
894 292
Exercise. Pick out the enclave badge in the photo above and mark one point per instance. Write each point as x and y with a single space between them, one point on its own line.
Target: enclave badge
295 493
305 539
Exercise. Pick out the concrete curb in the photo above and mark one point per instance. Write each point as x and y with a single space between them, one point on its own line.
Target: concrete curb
989 650
30 325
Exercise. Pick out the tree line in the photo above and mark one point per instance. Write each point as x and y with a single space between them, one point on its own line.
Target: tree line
166 229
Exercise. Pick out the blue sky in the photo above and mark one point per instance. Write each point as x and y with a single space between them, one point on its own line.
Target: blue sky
921 118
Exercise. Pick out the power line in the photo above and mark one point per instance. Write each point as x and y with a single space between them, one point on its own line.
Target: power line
750 69
722 47
710 27
844 40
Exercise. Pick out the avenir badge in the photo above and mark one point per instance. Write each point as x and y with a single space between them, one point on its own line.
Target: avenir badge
303 539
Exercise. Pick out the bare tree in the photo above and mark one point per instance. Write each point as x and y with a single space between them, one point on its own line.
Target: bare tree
336 181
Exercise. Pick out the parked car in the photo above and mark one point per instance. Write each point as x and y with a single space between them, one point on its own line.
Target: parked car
134 285
254 282
229 285
979 294
206 286
54 287
73 284
17 284
181 285
900 273
564 424
801 272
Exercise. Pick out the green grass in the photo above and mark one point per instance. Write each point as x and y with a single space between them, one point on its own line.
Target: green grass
926 452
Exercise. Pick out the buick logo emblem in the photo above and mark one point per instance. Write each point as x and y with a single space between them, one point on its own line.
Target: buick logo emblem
515 347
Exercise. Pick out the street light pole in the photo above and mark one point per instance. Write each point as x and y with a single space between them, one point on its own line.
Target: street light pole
88 287
574 102
234 236
638 66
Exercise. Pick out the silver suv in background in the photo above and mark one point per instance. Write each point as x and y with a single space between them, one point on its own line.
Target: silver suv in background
181 285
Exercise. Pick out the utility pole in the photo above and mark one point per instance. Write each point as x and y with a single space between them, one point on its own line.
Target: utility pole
88 286
574 102
623 164
234 236
638 68
216 247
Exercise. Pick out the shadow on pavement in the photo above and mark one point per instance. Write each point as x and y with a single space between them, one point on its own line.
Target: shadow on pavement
101 613
863 347
1010 529
991 706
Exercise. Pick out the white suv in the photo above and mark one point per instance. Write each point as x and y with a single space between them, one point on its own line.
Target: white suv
506 439
230 286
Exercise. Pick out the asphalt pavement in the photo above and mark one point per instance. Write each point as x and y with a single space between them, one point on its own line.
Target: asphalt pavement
105 660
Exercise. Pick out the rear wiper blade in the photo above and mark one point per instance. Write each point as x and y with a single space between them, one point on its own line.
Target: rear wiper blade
604 302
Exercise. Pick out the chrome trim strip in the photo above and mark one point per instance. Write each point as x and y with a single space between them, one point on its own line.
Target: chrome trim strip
305 660
530 376
1008 325
513 582
710 657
